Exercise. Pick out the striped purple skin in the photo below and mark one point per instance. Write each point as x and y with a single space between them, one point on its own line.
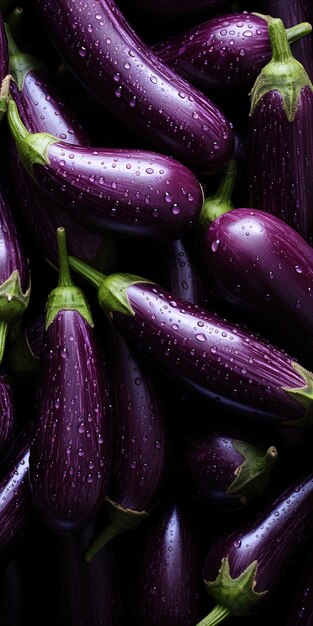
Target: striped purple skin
167 576
140 434
50 115
4 53
211 355
174 9
12 257
86 593
130 81
15 499
227 51
273 537
136 193
289 163
7 417
293 13
263 268
70 459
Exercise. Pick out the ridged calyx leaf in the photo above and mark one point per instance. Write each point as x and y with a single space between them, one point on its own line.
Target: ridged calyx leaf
303 395
252 475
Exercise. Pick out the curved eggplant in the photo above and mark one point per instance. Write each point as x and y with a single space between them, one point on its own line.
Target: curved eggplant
280 142
70 458
136 192
226 52
140 444
242 569
204 351
263 267
166 585
223 472
129 80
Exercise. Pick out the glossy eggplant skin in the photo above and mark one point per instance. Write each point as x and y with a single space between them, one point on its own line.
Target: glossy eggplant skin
7 417
226 52
15 500
167 574
293 13
13 258
129 80
211 355
262 267
135 193
70 459
269 542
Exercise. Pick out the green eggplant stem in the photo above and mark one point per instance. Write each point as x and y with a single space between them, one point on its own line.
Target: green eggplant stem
219 203
298 31
110 531
216 616
93 276
3 335
65 279
279 43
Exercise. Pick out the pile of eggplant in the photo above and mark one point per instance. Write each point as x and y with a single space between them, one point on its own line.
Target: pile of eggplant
156 327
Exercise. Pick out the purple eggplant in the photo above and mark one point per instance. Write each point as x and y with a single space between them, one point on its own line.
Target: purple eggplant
14 273
15 500
224 472
291 13
7 417
140 444
135 193
264 268
243 568
131 82
209 354
42 110
166 581
70 458
280 143
226 52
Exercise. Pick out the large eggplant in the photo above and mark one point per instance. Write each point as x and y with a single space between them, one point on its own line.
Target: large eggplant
280 143
128 79
43 110
243 568
226 52
70 458
204 351
263 268
165 580
132 192
140 444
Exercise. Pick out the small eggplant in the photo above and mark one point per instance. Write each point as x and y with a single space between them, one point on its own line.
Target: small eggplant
7 417
280 142
140 444
243 568
264 268
226 52
70 458
224 472
166 582
106 55
131 192
207 353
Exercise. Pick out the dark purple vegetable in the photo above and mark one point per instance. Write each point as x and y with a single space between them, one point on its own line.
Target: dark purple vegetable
226 52
204 351
14 274
224 472
131 82
291 13
7 417
70 459
263 268
86 594
42 110
15 499
242 568
280 144
166 580
140 452
131 192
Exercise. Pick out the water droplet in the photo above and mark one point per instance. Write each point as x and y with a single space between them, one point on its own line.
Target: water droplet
298 269
168 197
175 209
158 444
247 33
213 349
117 77
237 543
153 80
138 380
82 52
182 94
215 245
81 428
200 337
149 170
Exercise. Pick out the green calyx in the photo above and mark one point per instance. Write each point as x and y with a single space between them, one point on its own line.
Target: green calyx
235 594
283 74
20 62
303 395
13 302
252 475
112 290
120 520
66 296
4 95
220 202
32 147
